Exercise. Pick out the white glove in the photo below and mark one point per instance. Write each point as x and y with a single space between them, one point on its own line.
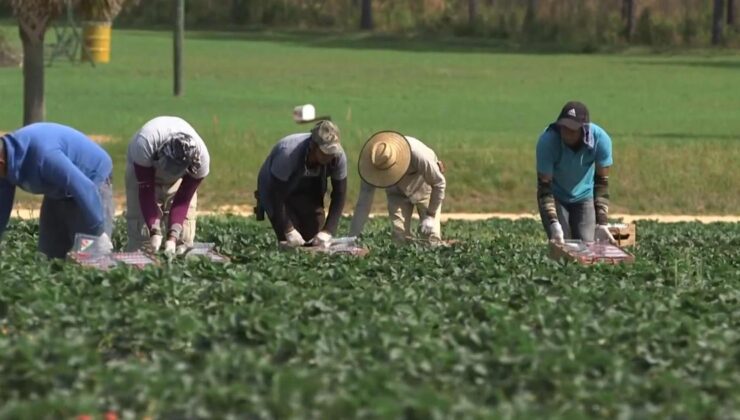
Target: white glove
104 244
556 233
602 234
170 248
294 239
181 249
427 225
155 241
322 239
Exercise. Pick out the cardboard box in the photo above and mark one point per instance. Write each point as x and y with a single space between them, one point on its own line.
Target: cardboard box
587 253
624 233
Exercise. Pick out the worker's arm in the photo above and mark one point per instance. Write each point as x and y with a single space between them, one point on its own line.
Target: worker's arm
601 195
601 177
275 197
362 208
545 198
338 198
181 204
147 195
58 170
545 160
431 169
7 196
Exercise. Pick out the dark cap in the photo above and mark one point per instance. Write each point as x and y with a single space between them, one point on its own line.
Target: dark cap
574 115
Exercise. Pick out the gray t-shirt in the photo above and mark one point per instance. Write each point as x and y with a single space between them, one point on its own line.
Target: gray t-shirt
149 140
287 160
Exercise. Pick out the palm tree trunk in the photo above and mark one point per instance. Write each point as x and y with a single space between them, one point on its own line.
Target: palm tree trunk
628 15
366 16
730 12
33 77
472 12
717 22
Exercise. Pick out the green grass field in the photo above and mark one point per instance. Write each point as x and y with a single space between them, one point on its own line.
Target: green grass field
672 118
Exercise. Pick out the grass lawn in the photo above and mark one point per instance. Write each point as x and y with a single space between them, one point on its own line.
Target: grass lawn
673 118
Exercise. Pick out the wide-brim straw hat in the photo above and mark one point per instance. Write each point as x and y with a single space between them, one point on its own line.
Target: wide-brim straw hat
384 159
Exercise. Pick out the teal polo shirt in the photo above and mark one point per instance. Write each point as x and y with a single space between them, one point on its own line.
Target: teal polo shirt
573 170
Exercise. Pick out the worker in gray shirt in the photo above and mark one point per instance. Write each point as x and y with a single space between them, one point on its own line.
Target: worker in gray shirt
293 181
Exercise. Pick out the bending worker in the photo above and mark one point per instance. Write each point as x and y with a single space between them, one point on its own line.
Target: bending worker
573 160
411 175
292 184
72 173
167 161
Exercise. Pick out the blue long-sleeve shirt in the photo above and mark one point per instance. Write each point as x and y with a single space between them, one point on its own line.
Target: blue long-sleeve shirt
58 162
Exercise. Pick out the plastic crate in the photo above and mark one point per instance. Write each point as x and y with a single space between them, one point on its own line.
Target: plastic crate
588 253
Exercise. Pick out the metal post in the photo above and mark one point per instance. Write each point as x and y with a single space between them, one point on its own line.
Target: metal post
179 40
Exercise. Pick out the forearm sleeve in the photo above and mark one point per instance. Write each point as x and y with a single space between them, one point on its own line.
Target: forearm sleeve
147 195
601 198
546 200
181 203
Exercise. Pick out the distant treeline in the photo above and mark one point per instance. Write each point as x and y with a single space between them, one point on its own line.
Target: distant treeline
582 23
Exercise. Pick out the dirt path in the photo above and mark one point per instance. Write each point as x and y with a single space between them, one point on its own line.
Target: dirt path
32 213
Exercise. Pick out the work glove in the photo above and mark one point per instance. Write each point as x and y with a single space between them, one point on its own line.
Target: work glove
170 248
427 225
602 234
155 241
104 244
294 239
322 239
556 232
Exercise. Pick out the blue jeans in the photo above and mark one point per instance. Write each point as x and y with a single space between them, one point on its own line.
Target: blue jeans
60 221
577 219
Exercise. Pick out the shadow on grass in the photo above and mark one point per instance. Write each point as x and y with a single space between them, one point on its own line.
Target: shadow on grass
681 136
375 41
709 62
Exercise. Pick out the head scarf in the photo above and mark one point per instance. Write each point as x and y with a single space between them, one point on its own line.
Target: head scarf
182 151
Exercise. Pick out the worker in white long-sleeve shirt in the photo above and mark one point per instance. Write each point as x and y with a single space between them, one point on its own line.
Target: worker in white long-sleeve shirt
412 176
167 161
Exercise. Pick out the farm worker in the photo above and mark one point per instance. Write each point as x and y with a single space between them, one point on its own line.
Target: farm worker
166 163
411 175
71 172
292 184
573 160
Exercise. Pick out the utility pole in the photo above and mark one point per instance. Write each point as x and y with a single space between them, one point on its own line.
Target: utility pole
179 38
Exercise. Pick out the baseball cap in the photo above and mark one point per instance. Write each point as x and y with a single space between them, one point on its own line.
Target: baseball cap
326 135
574 115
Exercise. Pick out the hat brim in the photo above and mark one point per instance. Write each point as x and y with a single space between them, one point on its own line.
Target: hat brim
384 178
569 123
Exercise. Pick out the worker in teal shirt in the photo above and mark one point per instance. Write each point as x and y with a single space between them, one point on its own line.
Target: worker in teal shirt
573 160
71 171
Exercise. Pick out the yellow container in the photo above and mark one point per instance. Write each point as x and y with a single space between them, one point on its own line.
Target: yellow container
96 42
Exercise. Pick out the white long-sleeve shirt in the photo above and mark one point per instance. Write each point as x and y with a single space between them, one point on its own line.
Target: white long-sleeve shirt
423 180
142 149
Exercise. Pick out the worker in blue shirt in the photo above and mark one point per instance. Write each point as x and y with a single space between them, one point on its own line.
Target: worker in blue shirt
71 171
573 160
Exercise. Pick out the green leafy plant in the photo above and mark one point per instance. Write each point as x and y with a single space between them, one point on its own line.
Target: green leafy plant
488 328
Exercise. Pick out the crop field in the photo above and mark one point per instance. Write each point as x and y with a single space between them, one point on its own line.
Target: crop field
488 328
